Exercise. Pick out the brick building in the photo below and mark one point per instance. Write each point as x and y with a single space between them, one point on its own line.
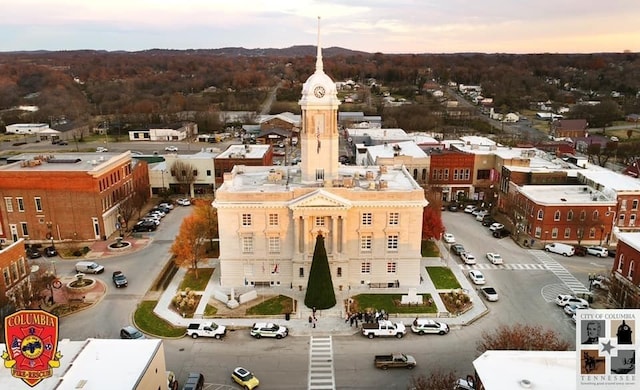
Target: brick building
15 283
250 155
452 172
625 274
565 213
571 128
70 196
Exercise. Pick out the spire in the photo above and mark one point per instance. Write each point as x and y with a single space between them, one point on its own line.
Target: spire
319 54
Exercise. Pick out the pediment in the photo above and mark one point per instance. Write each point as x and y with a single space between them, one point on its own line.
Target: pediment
320 199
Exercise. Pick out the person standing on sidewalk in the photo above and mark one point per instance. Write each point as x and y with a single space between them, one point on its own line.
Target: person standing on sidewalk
314 321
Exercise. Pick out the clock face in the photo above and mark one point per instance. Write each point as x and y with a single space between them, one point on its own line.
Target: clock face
318 91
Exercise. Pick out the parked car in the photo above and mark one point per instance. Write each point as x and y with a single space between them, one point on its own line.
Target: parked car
600 282
481 214
63 143
565 299
476 277
166 205
470 208
489 293
184 202
571 309
612 252
394 360
33 253
101 149
457 249
598 251
171 148
195 381
494 258
468 258
268 329
423 326
560 248
580 250
496 226
129 332
119 279
244 378
145 226
50 251
453 207
487 220
502 233
448 238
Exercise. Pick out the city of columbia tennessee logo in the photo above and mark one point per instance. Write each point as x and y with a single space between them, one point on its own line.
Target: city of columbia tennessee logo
31 338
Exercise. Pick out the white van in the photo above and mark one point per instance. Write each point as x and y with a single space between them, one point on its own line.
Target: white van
560 248
89 267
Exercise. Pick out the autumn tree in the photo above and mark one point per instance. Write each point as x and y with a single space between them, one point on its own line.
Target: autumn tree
184 174
189 247
437 380
209 215
320 292
521 337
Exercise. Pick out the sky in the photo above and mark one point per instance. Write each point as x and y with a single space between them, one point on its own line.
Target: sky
390 26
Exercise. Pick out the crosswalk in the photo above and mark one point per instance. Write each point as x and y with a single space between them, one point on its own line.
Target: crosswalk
321 374
508 267
558 269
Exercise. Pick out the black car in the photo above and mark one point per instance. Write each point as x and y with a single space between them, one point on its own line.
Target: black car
453 207
33 253
50 251
145 226
580 250
119 279
457 249
501 233
488 221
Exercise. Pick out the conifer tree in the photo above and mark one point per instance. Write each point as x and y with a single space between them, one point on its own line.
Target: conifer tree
320 292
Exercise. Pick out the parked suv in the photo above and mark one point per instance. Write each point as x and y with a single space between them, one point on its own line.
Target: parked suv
268 329
195 381
598 251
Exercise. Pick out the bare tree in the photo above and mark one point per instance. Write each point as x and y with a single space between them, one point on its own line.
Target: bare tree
185 174
437 380
521 337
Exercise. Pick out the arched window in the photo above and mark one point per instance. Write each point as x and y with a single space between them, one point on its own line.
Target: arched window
570 215
556 215
620 262
540 214
567 232
592 232
630 273
596 214
415 173
424 174
583 215
554 233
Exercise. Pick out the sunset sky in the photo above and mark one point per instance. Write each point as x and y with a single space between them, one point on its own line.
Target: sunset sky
398 26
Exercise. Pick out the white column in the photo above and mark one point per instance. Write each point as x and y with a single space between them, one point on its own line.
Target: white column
334 234
304 236
343 235
296 235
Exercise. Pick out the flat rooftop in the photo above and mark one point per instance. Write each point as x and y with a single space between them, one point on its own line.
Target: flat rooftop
244 151
404 148
613 180
565 194
68 162
379 133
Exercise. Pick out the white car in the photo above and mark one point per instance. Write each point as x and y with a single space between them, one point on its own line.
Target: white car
572 308
598 251
171 148
268 329
449 238
101 149
564 300
423 326
184 202
480 215
470 209
476 277
489 293
468 258
496 226
494 258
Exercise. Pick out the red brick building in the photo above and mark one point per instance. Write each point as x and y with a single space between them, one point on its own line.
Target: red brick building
571 128
251 155
625 274
563 213
15 283
70 196
452 171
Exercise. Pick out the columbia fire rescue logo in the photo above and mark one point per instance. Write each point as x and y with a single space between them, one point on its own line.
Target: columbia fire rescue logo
32 342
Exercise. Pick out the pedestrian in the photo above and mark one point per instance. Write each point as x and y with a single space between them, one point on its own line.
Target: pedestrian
351 320
310 320
314 311
314 322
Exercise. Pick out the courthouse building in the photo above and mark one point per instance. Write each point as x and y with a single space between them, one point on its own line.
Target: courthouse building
270 216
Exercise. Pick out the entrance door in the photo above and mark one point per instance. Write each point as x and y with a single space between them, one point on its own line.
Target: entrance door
14 232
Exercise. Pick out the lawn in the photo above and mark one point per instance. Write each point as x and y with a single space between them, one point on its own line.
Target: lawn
429 249
272 306
146 320
390 303
199 284
443 278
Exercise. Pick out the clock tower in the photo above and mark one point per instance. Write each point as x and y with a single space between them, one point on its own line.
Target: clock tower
319 135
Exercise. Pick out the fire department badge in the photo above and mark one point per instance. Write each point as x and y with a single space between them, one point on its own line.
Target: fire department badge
32 342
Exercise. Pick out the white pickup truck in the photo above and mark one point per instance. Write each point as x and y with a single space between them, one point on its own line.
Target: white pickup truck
207 329
384 328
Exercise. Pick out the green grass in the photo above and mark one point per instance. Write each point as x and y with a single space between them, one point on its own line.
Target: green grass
429 249
275 305
199 284
146 320
388 303
442 277
210 311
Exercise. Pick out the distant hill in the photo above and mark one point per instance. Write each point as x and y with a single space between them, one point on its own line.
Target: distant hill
293 51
